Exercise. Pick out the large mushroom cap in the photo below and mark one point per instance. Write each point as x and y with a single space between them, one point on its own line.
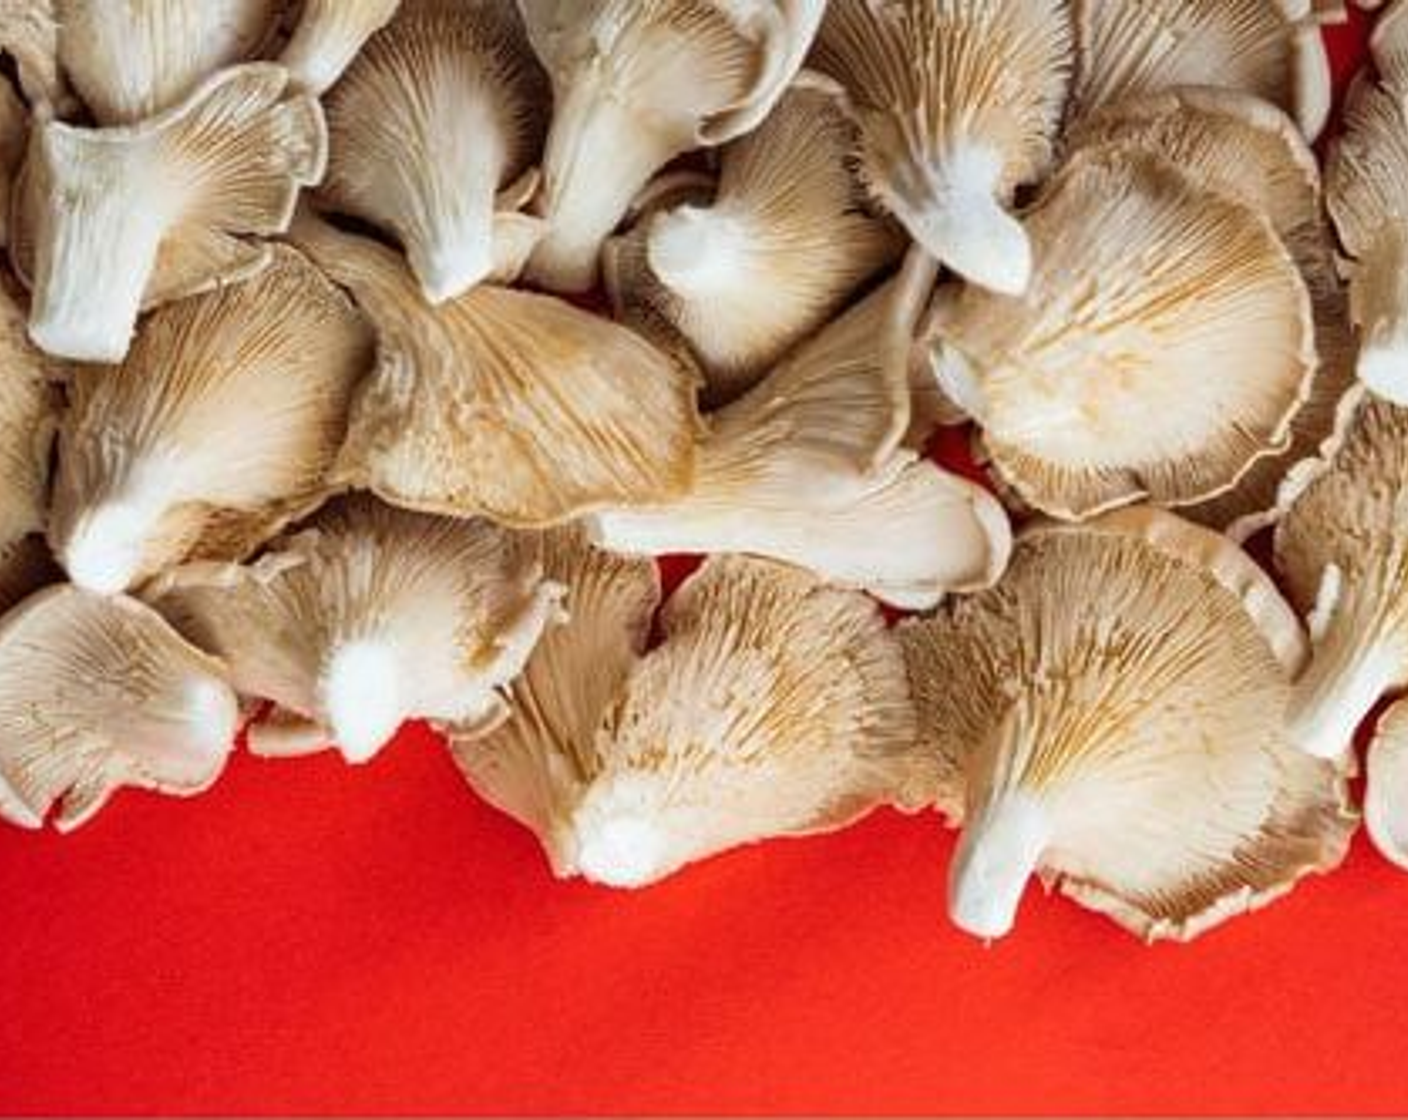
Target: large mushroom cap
958 104
1165 343
220 427
371 617
1112 712
98 693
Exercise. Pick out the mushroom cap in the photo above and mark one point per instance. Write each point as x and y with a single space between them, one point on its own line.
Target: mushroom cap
1386 791
958 104
535 764
130 60
776 253
1111 714
1342 550
1130 370
370 617
510 404
28 420
1270 48
443 108
114 220
1238 145
220 427
328 36
97 693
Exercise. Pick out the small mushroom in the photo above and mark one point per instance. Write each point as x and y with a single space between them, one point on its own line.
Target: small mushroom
1386 791
774 707
368 618
328 36
443 110
771 258
807 468
1110 717
97 693
958 103
1342 549
136 58
1270 48
219 428
1165 344
114 220
507 404
636 83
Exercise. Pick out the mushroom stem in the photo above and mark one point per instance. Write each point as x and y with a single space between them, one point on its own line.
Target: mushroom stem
362 696
617 837
1339 689
103 550
454 247
1379 305
328 37
999 852
696 251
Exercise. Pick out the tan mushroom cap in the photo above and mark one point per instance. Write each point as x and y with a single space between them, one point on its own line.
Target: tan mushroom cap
636 83
444 108
1164 345
368 618
536 764
958 104
1111 714
509 404
1342 549
28 420
131 60
97 693
1270 48
1386 791
118 219
328 37
1243 147
772 257
807 468
29 35
219 428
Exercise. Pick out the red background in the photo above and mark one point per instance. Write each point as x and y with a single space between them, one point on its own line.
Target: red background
309 937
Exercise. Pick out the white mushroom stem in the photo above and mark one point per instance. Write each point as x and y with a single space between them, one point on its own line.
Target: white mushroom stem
103 551
328 37
618 836
1386 794
1346 678
1379 305
363 696
1001 847
698 252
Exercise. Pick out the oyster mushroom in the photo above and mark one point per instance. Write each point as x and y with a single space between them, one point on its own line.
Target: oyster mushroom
1386 791
1165 344
328 36
507 404
1247 149
368 618
118 219
958 103
1343 551
774 707
219 428
807 468
444 109
776 253
98 693
133 59
636 83
1270 48
1109 716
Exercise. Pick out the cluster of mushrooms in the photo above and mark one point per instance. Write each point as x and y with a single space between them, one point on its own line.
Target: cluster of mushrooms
313 421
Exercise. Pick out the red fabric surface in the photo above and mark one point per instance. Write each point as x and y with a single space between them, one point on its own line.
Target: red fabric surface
309 937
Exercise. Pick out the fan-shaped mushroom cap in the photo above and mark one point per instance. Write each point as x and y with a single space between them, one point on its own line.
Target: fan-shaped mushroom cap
636 83
370 617
29 34
442 110
14 128
329 35
535 765
1271 48
133 59
1165 343
1343 550
28 418
958 103
1386 791
98 693
1112 713
218 429
1250 151
807 468
771 258
117 219
505 403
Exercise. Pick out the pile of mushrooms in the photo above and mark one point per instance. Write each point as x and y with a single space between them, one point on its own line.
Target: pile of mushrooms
359 358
